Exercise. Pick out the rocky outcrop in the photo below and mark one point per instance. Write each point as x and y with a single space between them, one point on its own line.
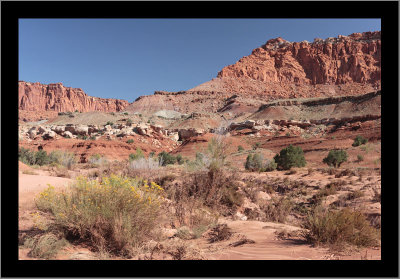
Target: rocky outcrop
353 58
56 97
346 65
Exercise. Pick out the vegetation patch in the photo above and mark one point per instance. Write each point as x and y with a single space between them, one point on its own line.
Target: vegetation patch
291 156
112 215
339 227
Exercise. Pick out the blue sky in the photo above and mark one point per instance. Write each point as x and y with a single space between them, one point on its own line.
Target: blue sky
127 58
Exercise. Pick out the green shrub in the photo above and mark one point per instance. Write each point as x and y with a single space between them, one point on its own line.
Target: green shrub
152 153
359 140
291 156
339 227
109 123
125 113
360 158
166 158
137 155
26 156
130 141
335 158
254 162
240 148
129 122
42 158
112 215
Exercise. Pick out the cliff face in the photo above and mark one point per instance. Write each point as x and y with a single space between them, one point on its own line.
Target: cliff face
353 58
56 97
346 65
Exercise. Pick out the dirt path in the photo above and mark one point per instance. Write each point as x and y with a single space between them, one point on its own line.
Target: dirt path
267 246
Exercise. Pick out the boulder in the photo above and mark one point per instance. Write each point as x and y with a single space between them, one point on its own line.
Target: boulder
49 135
67 134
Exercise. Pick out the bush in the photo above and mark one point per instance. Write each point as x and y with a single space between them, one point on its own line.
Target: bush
125 113
360 158
44 246
137 155
97 159
42 158
217 151
130 141
166 158
254 162
335 158
277 210
359 140
66 159
270 165
112 215
144 164
339 227
109 123
240 148
291 156
129 122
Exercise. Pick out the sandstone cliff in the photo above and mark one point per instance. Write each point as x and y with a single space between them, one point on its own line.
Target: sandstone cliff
287 69
57 97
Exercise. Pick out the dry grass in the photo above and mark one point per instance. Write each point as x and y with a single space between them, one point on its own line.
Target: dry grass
45 246
336 228
112 215
30 172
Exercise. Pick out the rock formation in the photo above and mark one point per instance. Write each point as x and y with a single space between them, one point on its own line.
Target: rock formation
346 65
57 97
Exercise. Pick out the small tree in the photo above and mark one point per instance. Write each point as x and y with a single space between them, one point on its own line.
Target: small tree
166 158
335 158
291 156
359 140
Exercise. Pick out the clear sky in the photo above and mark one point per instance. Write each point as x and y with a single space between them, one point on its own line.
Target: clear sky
127 58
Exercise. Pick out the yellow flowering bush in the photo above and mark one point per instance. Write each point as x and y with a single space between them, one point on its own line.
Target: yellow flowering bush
114 214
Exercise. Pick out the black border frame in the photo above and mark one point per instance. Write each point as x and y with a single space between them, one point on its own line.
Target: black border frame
12 11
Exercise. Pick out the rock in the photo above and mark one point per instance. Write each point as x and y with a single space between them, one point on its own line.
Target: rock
82 130
67 134
142 129
58 129
49 135
185 134
42 97
42 130
240 216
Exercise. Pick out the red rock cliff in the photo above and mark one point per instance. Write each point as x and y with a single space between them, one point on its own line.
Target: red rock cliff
346 59
57 97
